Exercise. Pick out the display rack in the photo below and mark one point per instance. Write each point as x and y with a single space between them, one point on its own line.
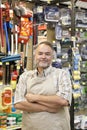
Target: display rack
30 43
15 127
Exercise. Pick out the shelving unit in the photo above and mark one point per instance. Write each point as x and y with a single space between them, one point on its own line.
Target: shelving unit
73 42
15 127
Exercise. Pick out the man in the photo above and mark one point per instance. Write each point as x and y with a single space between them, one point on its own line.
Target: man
44 94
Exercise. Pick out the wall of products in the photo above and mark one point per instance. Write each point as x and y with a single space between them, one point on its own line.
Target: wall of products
25 24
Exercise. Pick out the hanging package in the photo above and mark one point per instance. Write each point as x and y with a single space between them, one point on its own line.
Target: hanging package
51 14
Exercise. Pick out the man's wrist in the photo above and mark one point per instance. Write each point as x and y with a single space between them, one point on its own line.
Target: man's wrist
37 98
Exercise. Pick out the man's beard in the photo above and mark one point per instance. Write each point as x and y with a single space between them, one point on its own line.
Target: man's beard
42 65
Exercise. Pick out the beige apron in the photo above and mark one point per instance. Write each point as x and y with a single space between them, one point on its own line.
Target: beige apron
45 120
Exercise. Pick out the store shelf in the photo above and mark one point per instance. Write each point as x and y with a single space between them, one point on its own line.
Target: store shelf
13 127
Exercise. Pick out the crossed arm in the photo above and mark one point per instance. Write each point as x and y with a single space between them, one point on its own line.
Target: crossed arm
52 101
40 103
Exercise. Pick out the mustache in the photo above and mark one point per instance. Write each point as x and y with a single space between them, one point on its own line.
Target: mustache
37 62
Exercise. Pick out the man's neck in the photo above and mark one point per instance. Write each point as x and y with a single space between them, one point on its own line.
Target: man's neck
40 70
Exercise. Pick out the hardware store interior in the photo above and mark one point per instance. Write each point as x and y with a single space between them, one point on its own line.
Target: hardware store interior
24 24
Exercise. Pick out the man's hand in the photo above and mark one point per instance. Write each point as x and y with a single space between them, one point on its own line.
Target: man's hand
31 97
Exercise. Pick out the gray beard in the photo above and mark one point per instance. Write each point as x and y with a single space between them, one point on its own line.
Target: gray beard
36 65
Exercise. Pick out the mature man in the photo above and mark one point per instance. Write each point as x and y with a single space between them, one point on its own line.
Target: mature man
44 94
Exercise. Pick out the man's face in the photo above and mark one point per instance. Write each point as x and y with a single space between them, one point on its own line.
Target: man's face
43 56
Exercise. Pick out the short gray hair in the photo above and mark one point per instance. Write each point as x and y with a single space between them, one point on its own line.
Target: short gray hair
45 43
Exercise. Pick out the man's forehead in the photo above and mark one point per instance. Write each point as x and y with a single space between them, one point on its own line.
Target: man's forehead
43 46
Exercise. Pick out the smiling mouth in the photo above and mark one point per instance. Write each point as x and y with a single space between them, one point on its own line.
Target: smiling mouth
43 61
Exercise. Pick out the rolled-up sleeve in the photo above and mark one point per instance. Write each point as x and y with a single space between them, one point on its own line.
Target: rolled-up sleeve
21 90
65 86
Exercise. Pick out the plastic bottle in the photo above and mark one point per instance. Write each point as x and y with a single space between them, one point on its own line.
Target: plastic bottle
7 96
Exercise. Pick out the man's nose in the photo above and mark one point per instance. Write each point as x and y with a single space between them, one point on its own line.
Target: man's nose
43 56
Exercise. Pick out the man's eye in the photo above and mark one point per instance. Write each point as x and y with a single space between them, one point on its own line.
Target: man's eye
48 54
40 54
